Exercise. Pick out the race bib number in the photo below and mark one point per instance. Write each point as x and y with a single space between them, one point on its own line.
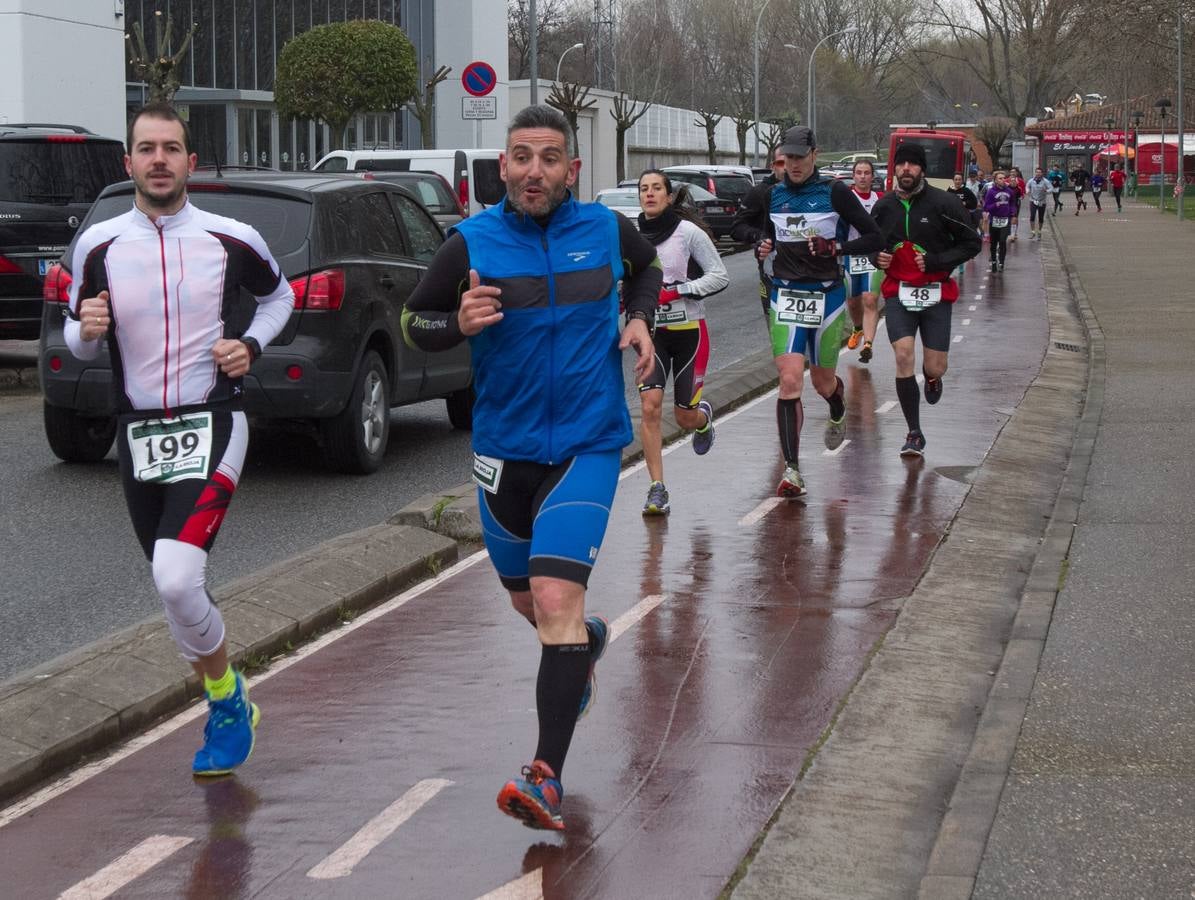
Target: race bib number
916 297
487 472
168 450
859 265
999 221
672 313
805 309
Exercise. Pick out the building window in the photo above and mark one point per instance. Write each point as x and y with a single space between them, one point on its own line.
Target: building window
283 25
201 43
246 75
209 132
264 28
224 50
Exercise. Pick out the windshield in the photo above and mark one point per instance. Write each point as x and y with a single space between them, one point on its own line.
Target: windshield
58 172
618 198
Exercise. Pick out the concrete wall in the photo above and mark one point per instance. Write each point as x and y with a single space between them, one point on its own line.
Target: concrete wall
468 30
63 61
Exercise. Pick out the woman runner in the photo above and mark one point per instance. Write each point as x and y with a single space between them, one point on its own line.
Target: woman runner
692 270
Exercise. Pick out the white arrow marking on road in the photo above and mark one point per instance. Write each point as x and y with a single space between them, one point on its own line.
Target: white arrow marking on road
957 338
837 449
341 862
110 879
760 511
978 297
529 887
972 307
632 616
966 321
884 407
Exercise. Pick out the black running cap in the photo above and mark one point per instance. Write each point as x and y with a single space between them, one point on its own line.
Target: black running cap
798 141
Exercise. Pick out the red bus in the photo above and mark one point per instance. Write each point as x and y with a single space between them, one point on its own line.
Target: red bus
946 152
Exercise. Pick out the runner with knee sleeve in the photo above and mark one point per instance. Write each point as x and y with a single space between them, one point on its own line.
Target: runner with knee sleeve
861 299
177 369
926 235
693 270
800 226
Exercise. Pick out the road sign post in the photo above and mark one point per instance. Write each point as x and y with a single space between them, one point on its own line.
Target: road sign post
478 79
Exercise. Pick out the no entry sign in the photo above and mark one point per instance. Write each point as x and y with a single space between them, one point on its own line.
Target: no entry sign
479 78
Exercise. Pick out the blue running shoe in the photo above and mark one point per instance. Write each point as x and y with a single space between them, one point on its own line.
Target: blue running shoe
703 440
600 629
535 798
229 734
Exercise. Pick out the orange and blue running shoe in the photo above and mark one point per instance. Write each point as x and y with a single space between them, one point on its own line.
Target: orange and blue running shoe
600 629
535 798
855 337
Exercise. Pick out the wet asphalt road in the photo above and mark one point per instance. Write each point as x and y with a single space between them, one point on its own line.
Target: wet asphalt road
739 624
72 571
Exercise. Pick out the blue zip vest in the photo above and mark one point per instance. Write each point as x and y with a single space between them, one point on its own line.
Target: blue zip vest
548 377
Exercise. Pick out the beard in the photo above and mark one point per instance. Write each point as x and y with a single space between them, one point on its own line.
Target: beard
159 197
909 183
544 205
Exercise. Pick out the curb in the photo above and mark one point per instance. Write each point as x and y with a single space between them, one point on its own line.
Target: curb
112 689
957 855
864 814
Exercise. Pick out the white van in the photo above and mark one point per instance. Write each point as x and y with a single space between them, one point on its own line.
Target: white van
473 174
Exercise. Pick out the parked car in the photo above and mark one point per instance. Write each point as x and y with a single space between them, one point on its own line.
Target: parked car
713 210
758 174
728 186
49 177
432 190
353 251
473 174
622 200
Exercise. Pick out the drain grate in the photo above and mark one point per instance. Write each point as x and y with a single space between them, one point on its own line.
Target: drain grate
1073 348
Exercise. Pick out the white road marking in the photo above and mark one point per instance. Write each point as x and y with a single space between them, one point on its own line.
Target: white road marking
529 887
837 449
957 338
760 511
341 862
132 865
884 407
631 617
972 308
966 321
978 297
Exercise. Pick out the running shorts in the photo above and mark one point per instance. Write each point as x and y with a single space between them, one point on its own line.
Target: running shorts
683 352
933 324
866 283
189 510
545 520
820 344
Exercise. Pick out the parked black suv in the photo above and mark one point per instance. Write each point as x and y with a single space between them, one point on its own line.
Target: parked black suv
353 251
49 176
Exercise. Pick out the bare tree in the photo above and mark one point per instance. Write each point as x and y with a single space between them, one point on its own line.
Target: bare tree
571 100
423 105
772 136
992 132
708 120
553 15
159 70
625 114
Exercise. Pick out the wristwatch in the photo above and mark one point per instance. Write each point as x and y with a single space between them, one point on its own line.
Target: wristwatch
254 348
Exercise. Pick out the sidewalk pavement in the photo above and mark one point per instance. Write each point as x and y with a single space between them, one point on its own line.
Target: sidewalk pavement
1083 766
1069 774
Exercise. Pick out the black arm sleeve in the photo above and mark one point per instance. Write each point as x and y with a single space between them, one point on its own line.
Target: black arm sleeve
853 213
644 275
970 201
966 242
429 317
751 224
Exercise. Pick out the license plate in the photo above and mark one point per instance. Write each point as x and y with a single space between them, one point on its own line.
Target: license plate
716 210
43 266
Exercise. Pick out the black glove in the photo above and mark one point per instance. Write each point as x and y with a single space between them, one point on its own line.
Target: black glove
820 246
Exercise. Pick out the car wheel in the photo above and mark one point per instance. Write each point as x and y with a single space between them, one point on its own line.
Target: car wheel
77 438
355 440
460 408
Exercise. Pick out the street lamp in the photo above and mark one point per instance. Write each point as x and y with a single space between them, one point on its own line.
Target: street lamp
809 109
758 19
1136 116
1161 106
562 56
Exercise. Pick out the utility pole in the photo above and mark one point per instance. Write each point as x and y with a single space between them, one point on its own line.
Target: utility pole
1182 125
533 60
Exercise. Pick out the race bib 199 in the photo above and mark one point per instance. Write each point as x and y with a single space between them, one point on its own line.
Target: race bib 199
916 297
168 450
672 313
487 472
859 265
805 309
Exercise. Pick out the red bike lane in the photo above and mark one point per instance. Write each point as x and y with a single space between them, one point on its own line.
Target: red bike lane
740 624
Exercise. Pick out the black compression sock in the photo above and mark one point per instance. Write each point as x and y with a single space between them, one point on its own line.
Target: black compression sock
910 401
563 671
790 416
836 401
